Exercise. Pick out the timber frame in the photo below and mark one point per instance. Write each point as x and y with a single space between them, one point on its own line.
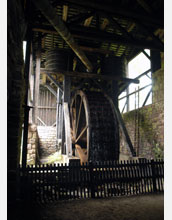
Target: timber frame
93 30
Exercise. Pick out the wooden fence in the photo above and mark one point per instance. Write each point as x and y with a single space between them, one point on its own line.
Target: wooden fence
47 183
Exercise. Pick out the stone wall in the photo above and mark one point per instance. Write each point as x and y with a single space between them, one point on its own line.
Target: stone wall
32 145
148 136
47 140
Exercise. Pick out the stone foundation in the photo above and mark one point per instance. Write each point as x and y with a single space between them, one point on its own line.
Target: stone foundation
47 140
32 146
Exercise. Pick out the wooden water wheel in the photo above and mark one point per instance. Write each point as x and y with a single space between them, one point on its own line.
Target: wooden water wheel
94 127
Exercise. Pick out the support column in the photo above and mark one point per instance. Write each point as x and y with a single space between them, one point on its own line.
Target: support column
37 79
66 103
26 107
59 118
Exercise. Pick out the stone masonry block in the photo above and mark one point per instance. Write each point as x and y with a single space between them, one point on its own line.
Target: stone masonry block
34 135
29 146
33 127
33 146
29 134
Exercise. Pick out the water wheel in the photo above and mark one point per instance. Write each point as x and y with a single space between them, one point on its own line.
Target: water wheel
94 127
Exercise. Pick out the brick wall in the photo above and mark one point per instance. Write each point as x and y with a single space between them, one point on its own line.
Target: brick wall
47 140
150 141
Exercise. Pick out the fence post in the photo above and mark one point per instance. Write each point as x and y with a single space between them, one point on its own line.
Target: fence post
153 175
91 180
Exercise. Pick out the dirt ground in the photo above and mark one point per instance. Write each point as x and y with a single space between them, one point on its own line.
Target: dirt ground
142 207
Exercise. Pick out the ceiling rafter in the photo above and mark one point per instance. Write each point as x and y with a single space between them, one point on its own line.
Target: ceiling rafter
65 13
76 19
102 36
118 11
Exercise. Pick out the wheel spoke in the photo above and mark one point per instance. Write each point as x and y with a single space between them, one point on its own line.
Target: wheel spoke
82 132
77 121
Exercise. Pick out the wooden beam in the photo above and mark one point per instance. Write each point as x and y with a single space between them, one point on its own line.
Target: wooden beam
102 36
89 75
26 107
131 27
37 80
51 89
116 25
114 38
76 19
68 138
124 131
104 24
144 5
88 21
53 80
50 13
118 11
65 13
96 50
66 88
125 86
59 115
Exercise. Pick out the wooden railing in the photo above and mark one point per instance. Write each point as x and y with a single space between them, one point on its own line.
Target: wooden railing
47 183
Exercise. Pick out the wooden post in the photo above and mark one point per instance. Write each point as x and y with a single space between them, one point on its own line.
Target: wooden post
37 78
66 102
59 116
153 175
26 108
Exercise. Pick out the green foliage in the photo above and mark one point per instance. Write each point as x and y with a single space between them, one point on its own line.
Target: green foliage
54 158
158 152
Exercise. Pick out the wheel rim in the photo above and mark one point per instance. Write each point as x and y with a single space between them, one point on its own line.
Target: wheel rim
80 129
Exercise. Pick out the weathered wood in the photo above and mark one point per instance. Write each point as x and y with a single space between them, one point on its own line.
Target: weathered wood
53 80
82 32
83 157
125 86
76 19
135 91
59 114
88 21
26 108
37 81
145 6
51 89
65 12
93 180
48 107
118 11
89 75
124 130
66 88
50 13
67 129
41 121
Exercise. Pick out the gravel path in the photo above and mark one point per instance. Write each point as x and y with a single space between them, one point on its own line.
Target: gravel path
142 207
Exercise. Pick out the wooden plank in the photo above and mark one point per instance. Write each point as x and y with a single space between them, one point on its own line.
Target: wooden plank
66 89
67 129
51 89
88 75
53 80
37 80
130 14
104 24
65 12
124 131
